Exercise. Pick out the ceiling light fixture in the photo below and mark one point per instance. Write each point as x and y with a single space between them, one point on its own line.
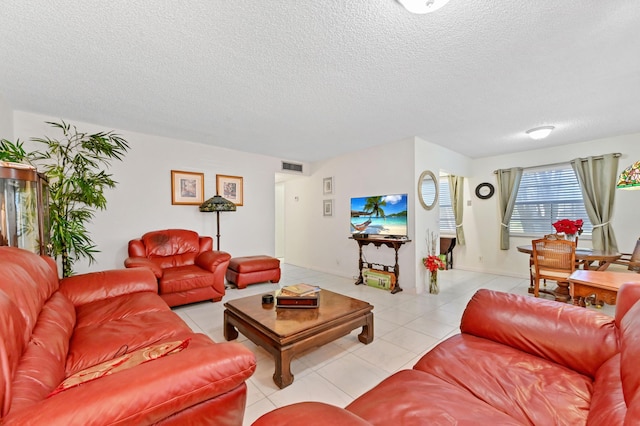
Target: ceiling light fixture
422 6
540 132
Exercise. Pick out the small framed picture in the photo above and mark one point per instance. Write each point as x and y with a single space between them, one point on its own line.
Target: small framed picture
327 185
327 208
230 187
187 188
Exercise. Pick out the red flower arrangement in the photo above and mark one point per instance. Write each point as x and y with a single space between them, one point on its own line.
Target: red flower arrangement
568 226
433 263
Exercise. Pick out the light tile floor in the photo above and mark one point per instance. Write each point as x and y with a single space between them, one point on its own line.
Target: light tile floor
405 327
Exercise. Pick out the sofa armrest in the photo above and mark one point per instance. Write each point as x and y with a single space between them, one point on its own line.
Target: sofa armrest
310 414
143 262
85 288
578 338
149 392
628 295
211 260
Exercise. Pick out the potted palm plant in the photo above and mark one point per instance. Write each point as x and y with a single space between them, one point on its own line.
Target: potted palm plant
75 166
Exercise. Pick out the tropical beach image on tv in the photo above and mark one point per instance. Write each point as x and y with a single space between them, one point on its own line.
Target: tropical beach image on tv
384 215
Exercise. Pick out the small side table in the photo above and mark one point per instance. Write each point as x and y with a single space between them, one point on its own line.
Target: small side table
603 285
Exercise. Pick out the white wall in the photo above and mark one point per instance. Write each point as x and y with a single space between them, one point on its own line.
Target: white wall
141 201
321 242
280 220
429 156
482 222
6 121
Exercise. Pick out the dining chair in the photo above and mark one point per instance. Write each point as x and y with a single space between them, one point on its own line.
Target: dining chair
553 259
631 260
531 268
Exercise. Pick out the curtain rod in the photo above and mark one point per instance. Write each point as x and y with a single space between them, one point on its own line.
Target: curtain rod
595 157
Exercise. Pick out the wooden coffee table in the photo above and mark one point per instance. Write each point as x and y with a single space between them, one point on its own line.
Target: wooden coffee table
286 332
602 285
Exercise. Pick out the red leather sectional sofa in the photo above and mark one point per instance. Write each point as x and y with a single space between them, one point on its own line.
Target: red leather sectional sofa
54 329
518 361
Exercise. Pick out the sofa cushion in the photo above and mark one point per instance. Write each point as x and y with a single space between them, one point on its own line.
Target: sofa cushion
170 242
97 343
42 365
121 363
28 282
525 323
105 310
183 278
629 371
525 387
412 397
607 402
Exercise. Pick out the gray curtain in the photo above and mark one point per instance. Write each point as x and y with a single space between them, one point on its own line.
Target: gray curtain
456 191
508 184
597 177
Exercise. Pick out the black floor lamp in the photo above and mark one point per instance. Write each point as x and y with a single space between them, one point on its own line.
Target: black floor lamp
218 204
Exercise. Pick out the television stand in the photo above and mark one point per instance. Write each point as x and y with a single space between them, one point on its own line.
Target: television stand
394 243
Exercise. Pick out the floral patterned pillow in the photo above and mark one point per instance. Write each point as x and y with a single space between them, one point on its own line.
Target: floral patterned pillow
121 363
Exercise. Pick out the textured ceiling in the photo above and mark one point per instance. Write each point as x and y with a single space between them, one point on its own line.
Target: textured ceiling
308 80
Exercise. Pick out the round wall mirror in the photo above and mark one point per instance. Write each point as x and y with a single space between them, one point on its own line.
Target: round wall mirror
428 189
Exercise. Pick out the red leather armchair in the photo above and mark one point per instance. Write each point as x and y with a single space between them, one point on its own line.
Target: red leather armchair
186 266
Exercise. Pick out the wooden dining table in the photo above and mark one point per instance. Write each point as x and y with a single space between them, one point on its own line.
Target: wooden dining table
588 259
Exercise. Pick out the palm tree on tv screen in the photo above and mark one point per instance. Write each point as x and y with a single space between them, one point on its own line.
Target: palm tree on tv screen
373 205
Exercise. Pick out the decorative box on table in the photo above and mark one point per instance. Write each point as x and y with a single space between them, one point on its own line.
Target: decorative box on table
298 296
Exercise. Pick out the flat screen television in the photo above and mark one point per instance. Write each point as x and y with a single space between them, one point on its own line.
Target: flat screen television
384 215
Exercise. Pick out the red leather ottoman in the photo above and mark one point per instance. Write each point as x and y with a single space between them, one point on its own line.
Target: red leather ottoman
247 270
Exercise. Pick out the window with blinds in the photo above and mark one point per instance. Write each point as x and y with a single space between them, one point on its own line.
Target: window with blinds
447 219
544 197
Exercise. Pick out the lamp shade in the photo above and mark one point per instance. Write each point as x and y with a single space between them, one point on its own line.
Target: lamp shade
630 177
218 204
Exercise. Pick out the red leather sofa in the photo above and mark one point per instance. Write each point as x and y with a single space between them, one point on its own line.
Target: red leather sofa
55 330
186 266
518 361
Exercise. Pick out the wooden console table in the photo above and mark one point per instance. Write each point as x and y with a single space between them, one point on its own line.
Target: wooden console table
394 243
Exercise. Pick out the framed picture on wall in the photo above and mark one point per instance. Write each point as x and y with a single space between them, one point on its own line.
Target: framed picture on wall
327 185
327 208
187 188
230 187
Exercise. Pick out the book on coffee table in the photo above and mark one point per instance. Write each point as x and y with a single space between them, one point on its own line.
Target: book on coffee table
299 290
298 296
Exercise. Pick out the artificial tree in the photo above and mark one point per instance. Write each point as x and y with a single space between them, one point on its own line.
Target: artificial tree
75 166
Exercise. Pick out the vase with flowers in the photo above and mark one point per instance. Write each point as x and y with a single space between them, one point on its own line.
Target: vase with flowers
433 264
570 228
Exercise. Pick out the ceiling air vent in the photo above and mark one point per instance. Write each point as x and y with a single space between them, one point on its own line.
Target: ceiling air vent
293 167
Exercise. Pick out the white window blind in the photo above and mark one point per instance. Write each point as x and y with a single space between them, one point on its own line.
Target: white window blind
544 197
447 219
